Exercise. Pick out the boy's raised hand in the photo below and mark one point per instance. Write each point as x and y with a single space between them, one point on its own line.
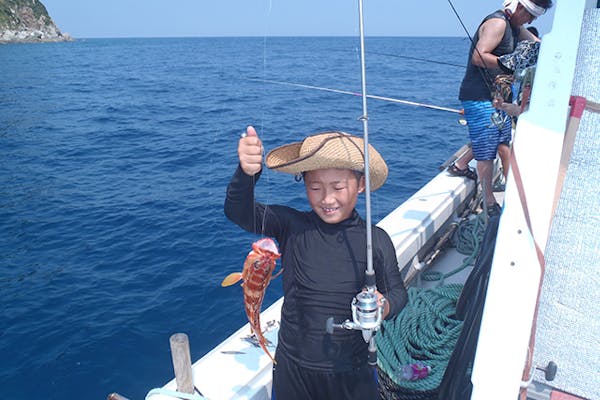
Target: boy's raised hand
250 152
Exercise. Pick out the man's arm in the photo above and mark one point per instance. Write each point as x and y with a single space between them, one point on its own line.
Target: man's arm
490 35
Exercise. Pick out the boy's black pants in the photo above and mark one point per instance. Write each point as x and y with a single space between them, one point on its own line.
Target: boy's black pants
291 382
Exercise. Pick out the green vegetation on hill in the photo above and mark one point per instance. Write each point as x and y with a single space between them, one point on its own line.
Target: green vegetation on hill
11 18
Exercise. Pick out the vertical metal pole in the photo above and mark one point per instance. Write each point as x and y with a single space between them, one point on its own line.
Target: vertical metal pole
364 118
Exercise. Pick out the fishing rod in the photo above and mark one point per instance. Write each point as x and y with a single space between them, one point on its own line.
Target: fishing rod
365 122
367 311
370 96
485 74
427 60
418 59
497 118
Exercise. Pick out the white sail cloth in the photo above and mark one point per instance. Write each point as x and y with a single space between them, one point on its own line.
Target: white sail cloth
568 328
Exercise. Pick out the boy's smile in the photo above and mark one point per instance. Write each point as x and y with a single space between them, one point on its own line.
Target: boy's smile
332 193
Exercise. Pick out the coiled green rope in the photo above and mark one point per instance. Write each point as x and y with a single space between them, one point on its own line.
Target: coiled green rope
469 234
467 239
425 331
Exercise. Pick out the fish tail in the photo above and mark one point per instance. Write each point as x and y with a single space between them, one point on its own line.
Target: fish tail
262 342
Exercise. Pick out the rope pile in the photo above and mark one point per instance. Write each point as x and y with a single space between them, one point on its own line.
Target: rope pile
470 233
467 240
424 332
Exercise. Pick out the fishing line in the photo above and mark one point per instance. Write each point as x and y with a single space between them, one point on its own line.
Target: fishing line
485 74
418 59
370 96
498 117
262 125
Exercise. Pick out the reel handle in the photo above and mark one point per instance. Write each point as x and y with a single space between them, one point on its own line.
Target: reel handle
330 326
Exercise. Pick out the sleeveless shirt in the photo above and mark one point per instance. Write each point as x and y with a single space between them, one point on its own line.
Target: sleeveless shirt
478 81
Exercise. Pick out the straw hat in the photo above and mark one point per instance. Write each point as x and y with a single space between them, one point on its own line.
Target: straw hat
328 150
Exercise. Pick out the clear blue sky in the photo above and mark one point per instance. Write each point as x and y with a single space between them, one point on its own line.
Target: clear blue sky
175 18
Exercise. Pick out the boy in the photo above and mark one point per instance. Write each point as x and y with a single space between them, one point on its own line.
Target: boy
324 261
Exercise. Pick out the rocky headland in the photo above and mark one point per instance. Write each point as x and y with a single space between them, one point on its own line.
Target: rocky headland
28 21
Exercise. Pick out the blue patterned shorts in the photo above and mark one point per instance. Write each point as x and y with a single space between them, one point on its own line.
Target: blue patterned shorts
485 136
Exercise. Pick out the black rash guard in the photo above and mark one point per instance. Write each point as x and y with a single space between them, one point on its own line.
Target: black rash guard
324 268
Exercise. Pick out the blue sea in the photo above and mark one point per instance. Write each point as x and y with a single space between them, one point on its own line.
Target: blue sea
114 159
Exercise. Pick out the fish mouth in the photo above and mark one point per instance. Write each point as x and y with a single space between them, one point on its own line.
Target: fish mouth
267 244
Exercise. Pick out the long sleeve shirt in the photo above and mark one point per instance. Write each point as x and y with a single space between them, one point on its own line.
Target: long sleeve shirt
324 268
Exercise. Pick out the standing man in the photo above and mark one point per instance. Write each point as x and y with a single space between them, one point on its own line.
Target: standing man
497 35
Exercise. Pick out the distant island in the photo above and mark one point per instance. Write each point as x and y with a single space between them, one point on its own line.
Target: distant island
28 21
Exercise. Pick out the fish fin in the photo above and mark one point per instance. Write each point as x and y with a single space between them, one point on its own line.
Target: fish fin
231 279
276 275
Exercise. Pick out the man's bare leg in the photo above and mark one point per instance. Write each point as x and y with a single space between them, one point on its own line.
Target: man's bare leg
504 154
463 162
485 171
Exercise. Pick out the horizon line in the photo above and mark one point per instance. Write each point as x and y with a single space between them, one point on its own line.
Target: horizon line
262 36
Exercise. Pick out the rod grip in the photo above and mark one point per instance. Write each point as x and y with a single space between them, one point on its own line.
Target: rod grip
370 280
372 359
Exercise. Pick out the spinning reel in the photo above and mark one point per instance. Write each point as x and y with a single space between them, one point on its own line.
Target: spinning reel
367 315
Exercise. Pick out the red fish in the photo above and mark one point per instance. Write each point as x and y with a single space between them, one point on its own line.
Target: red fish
256 276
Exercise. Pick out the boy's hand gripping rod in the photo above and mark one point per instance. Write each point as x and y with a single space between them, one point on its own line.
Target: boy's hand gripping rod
367 314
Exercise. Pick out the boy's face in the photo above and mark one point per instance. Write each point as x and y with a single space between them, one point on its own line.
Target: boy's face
332 193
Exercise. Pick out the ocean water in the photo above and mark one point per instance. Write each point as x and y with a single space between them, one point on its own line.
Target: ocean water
114 159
